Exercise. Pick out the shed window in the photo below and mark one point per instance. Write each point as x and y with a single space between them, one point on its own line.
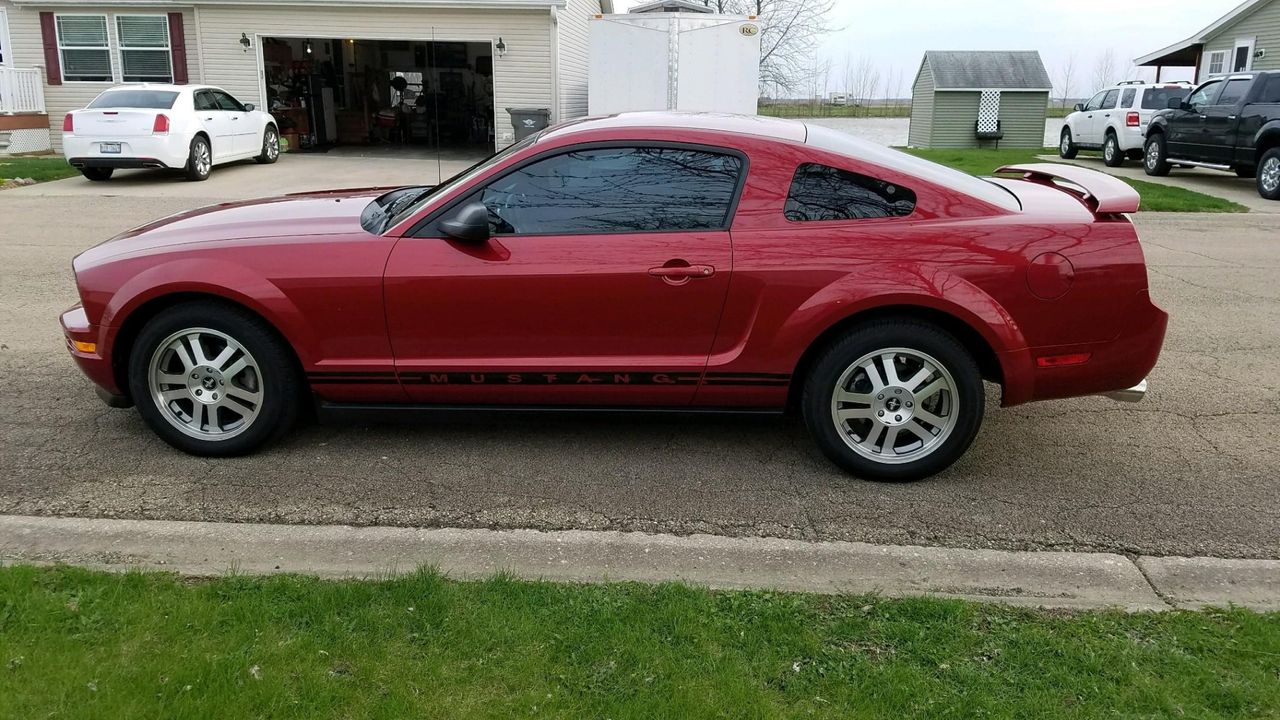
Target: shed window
819 192
144 48
84 48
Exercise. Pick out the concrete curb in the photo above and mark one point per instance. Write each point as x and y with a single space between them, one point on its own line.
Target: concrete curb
1047 579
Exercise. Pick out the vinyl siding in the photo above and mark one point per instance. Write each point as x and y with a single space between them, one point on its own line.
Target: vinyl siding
28 51
921 109
572 47
522 77
1022 117
1264 23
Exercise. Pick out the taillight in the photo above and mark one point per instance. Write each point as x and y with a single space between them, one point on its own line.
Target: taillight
161 125
68 124
1132 119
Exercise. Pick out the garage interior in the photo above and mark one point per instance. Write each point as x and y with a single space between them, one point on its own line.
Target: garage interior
381 97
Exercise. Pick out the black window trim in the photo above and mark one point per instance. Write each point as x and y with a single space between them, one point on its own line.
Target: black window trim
426 227
861 221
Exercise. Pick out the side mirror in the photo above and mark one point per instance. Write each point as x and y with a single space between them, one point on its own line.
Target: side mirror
1175 103
249 107
470 223
1079 107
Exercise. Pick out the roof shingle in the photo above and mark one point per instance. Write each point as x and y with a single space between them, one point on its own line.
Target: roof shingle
988 70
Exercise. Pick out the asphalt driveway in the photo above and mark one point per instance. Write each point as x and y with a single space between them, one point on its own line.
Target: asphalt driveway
1192 470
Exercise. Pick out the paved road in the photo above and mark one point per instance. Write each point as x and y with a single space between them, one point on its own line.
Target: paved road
1193 470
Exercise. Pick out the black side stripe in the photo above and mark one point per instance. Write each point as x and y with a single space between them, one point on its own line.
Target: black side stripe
592 377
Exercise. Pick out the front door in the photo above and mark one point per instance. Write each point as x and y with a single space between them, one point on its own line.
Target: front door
1086 131
222 137
1188 128
603 282
242 132
1242 54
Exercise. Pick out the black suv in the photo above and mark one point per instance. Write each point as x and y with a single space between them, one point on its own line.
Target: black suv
1228 123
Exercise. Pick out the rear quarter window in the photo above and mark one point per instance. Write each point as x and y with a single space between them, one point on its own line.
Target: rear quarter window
820 192
146 99
1271 91
1126 100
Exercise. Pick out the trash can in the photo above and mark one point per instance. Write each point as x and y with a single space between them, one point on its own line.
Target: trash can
528 121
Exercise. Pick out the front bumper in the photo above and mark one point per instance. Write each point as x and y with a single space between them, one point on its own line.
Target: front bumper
85 344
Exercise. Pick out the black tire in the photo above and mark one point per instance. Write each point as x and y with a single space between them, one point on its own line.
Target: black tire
97 174
199 166
1155 156
1269 174
1067 149
270 138
1112 155
277 379
1246 171
912 336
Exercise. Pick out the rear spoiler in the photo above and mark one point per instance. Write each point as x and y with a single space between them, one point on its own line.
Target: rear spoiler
1106 194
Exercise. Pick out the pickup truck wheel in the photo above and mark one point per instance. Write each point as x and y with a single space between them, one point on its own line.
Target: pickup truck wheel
894 400
1269 174
1112 155
1067 149
1156 157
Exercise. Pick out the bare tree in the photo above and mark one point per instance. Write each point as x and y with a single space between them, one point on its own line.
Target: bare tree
1067 78
791 29
1104 70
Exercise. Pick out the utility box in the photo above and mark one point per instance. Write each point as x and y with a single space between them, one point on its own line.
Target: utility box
674 61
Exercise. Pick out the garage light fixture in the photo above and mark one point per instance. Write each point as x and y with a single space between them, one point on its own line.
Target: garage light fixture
245 42
307 47
501 47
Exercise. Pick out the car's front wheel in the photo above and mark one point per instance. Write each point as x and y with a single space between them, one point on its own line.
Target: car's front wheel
894 400
97 174
1269 174
199 159
1155 156
1067 149
212 379
1112 155
270 146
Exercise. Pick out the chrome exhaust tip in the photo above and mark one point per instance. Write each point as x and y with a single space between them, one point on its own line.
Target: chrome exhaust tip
1133 394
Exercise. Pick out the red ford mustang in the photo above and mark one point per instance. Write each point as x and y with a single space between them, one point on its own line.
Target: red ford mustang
641 261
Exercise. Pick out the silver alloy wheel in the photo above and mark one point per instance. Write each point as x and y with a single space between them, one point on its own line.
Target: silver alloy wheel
1109 150
1066 144
205 383
272 145
895 405
1269 175
204 158
1153 155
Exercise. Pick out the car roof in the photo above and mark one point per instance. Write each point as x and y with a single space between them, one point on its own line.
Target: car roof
161 87
776 128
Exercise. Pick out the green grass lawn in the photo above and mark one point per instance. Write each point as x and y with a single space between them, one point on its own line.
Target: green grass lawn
39 169
75 643
1155 197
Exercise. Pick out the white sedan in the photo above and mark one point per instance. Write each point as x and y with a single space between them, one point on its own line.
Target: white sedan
182 127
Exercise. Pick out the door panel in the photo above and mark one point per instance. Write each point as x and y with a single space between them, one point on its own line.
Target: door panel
555 319
1188 128
1221 120
215 121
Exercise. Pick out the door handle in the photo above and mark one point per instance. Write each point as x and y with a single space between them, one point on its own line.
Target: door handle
681 274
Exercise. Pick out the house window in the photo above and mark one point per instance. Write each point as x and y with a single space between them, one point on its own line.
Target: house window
144 48
84 48
1217 60
4 39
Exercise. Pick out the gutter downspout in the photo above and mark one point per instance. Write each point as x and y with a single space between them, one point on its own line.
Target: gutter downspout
555 66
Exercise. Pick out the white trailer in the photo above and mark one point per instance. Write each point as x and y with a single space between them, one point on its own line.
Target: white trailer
674 61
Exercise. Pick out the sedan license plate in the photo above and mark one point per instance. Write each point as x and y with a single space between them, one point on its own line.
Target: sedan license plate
110 148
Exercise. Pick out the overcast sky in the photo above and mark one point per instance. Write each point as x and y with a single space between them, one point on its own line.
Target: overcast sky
896 34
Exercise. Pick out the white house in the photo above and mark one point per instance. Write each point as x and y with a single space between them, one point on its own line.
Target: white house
393 72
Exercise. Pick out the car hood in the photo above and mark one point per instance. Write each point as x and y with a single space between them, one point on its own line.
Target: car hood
302 215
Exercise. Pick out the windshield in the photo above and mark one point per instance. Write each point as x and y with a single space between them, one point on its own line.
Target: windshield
148 99
854 147
404 206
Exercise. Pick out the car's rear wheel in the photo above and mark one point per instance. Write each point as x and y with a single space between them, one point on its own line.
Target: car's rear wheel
212 379
894 400
1112 155
270 146
1269 174
1067 149
97 174
1155 157
199 160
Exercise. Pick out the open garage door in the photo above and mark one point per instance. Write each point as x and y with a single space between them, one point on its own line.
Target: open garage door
407 98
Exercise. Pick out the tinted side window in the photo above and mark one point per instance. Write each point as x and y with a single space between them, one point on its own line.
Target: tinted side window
226 102
204 101
1233 92
1109 101
1096 102
1207 92
1271 91
1158 98
616 190
1126 100
819 192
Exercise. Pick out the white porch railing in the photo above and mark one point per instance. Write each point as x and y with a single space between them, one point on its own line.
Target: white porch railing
21 90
